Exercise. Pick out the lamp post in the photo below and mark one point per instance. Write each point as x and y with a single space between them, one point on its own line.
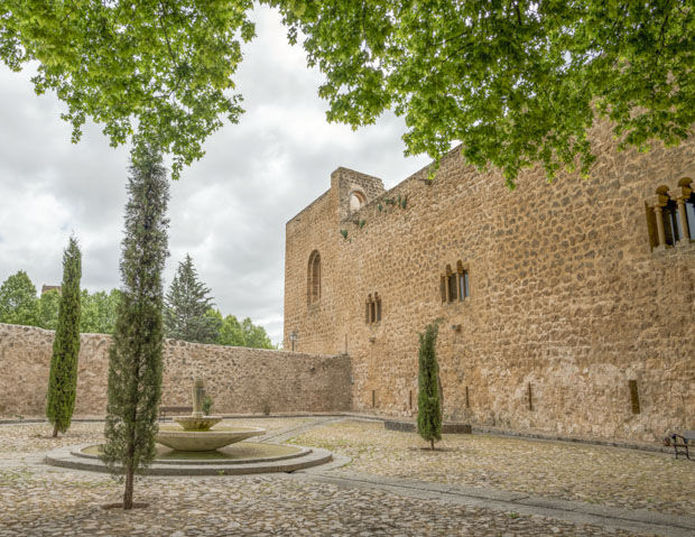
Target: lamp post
293 337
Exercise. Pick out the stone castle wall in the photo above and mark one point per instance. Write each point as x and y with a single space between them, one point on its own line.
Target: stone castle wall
238 379
569 302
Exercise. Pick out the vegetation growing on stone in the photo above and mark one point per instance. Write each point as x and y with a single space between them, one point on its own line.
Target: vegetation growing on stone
187 305
62 381
135 360
429 412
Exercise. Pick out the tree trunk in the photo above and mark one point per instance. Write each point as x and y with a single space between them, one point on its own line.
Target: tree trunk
128 494
432 443
55 430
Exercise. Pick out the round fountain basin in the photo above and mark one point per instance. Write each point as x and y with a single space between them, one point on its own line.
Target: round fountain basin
197 423
182 440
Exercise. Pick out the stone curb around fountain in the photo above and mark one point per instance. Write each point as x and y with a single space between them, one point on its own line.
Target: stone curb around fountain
64 457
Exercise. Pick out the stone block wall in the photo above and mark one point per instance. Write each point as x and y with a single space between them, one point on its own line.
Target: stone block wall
238 379
569 302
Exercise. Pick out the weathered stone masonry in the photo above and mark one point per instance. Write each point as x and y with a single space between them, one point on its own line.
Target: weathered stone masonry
239 380
579 322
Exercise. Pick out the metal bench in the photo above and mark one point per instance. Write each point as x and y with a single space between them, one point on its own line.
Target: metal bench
681 443
165 410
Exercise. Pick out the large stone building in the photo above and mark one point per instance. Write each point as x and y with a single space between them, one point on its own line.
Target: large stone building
565 308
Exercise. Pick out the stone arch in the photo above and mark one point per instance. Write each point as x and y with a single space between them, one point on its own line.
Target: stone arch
313 287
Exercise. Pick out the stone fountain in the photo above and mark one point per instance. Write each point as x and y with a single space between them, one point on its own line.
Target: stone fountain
196 432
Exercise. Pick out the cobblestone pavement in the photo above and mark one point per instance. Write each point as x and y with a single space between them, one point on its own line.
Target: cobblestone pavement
588 473
39 500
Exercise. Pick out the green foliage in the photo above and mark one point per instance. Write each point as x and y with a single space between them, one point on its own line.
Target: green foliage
49 303
515 82
135 361
241 334
187 305
62 380
344 233
207 405
145 70
429 415
99 311
18 302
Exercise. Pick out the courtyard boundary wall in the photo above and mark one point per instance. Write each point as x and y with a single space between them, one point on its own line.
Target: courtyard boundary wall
239 379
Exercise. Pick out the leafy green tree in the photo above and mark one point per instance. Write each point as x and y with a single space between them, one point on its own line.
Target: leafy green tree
429 412
516 82
187 305
255 336
135 361
99 312
244 334
49 303
62 380
145 70
18 302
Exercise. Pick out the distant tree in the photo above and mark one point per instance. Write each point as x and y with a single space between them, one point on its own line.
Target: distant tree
244 334
187 305
135 361
99 312
429 413
18 302
49 303
255 336
62 380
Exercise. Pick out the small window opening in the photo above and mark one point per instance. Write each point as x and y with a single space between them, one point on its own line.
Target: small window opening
672 223
314 278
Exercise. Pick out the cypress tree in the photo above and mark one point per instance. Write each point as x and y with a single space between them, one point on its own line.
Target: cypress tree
62 380
135 361
429 413
188 304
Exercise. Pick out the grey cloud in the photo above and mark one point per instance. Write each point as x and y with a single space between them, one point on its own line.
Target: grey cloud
228 211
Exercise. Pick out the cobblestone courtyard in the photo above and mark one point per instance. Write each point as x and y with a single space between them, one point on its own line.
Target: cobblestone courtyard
391 487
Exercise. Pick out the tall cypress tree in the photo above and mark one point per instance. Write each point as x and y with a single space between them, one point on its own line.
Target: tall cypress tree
188 302
135 361
429 412
62 380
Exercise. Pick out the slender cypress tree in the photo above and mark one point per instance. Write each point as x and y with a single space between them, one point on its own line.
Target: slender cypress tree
135 361
188 302
429 412
62 381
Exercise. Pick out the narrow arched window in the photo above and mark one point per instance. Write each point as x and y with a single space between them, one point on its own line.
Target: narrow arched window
314 278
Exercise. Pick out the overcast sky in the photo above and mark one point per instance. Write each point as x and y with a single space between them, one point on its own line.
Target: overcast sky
228 210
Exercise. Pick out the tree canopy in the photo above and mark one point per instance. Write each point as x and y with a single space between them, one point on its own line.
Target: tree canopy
240 334
515 82
18 302
147 71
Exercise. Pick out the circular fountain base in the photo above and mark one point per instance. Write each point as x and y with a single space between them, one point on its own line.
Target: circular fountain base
187 440
239 459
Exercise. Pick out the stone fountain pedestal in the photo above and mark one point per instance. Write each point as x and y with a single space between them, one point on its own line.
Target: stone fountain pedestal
195 432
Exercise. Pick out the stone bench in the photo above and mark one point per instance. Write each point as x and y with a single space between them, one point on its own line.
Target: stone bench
681 442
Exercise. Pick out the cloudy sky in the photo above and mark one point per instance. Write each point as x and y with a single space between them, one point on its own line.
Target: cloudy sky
228 210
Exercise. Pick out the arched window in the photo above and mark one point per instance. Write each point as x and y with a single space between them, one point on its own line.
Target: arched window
314 278
357 200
